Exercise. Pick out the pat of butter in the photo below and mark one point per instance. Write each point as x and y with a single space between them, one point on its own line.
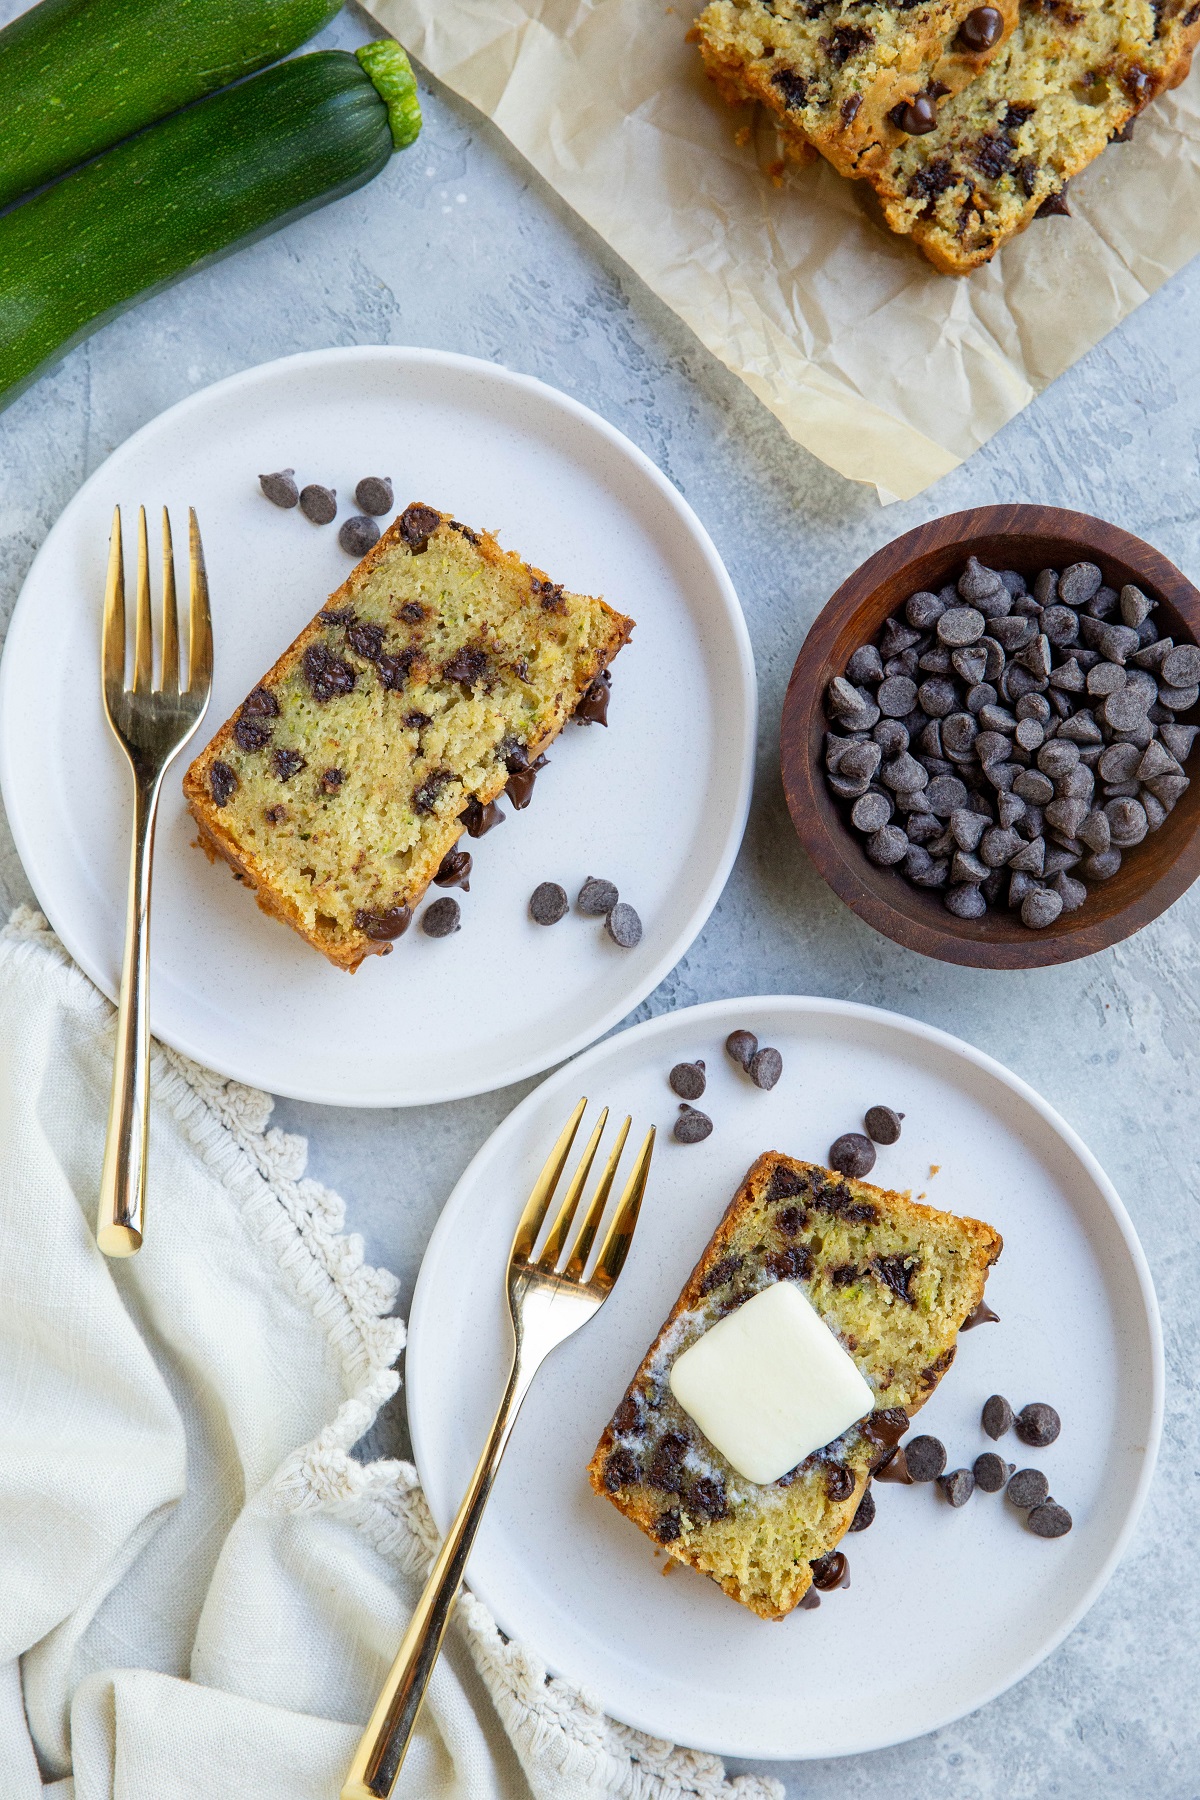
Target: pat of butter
770 1383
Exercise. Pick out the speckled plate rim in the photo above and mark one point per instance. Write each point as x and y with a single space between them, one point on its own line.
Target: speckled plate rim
742 746
563 1086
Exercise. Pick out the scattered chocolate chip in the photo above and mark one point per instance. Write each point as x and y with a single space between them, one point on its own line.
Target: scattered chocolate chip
692 1127
926 1458
765 1067
623 926
742 1047
981 29
688 1080
279 488
829 1571
991 1472
442 918
222 783
357 535
1050 1520
1038 1424
997 1416
883 1124
958 1486
1028 1487
382 926
865 1515
548 903
374 494
596 897
852 1154
319 504
454 870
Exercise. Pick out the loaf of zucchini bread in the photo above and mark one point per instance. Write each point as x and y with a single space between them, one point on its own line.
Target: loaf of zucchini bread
1070 78
431 681
838 75
893 1280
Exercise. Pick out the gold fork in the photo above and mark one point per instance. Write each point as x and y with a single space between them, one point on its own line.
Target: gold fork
151 725
548 1299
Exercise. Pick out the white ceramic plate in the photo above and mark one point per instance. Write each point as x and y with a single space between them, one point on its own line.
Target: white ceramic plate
657 803
947 1608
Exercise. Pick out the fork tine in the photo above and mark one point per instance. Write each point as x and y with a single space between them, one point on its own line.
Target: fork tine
143 640
619 1235
169 679
539 1200
577 1261
114 614
200 644
552 1248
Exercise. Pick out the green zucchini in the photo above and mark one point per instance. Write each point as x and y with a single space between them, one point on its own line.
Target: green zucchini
229 168
77 76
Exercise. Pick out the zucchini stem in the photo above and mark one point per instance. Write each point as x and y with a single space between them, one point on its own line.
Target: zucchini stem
391 74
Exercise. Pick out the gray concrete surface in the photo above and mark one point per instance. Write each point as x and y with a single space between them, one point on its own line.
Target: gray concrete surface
458 245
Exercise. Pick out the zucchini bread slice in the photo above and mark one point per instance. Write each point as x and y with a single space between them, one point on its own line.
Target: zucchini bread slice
893 1280
430 682
837 75
1070 78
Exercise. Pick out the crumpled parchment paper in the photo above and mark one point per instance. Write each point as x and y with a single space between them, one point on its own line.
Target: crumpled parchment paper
886 370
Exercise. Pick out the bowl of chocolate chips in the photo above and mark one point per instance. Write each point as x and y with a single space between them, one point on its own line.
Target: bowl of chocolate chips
988 735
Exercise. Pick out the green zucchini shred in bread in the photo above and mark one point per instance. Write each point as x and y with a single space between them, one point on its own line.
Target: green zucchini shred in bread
435 676
893 1280
830 72
1073 74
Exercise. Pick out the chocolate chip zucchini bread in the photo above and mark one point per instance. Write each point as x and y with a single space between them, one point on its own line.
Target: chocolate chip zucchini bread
841 76
894 1282
431 680
1070 77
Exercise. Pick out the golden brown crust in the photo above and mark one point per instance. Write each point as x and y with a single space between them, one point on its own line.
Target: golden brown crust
347 950
821 1514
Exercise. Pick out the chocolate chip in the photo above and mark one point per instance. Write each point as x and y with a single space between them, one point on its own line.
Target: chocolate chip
454 870
548 903
958 1486
250 734
852 1154
374 494
593 708
1027 1488
668 1526
915 117
331 780
997 1416
765 1067
318 503
865 1515
287 763
222 783
382 926
981 29
742 1046
1050 1520
279 488
480 819
831 1570
926 1458
965 901
357 535
623 926
441 919
1040 908
991 1472
896 696
871 812
620 1469
707 1496
692 1127
417 525
960 625
688 1080
1038 1424
326 674
883 1124
596 897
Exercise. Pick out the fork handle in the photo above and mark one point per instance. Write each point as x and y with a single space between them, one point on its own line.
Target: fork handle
384 1744
121 1215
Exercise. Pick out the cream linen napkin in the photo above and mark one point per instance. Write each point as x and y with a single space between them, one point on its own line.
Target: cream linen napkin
200 1589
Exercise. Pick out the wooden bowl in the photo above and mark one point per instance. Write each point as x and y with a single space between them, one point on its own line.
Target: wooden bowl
1027 538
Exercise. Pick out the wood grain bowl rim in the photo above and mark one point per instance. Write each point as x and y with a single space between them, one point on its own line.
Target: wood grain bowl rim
1025 537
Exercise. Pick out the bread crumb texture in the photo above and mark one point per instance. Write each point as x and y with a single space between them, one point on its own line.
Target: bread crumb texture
894 1282
442 666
